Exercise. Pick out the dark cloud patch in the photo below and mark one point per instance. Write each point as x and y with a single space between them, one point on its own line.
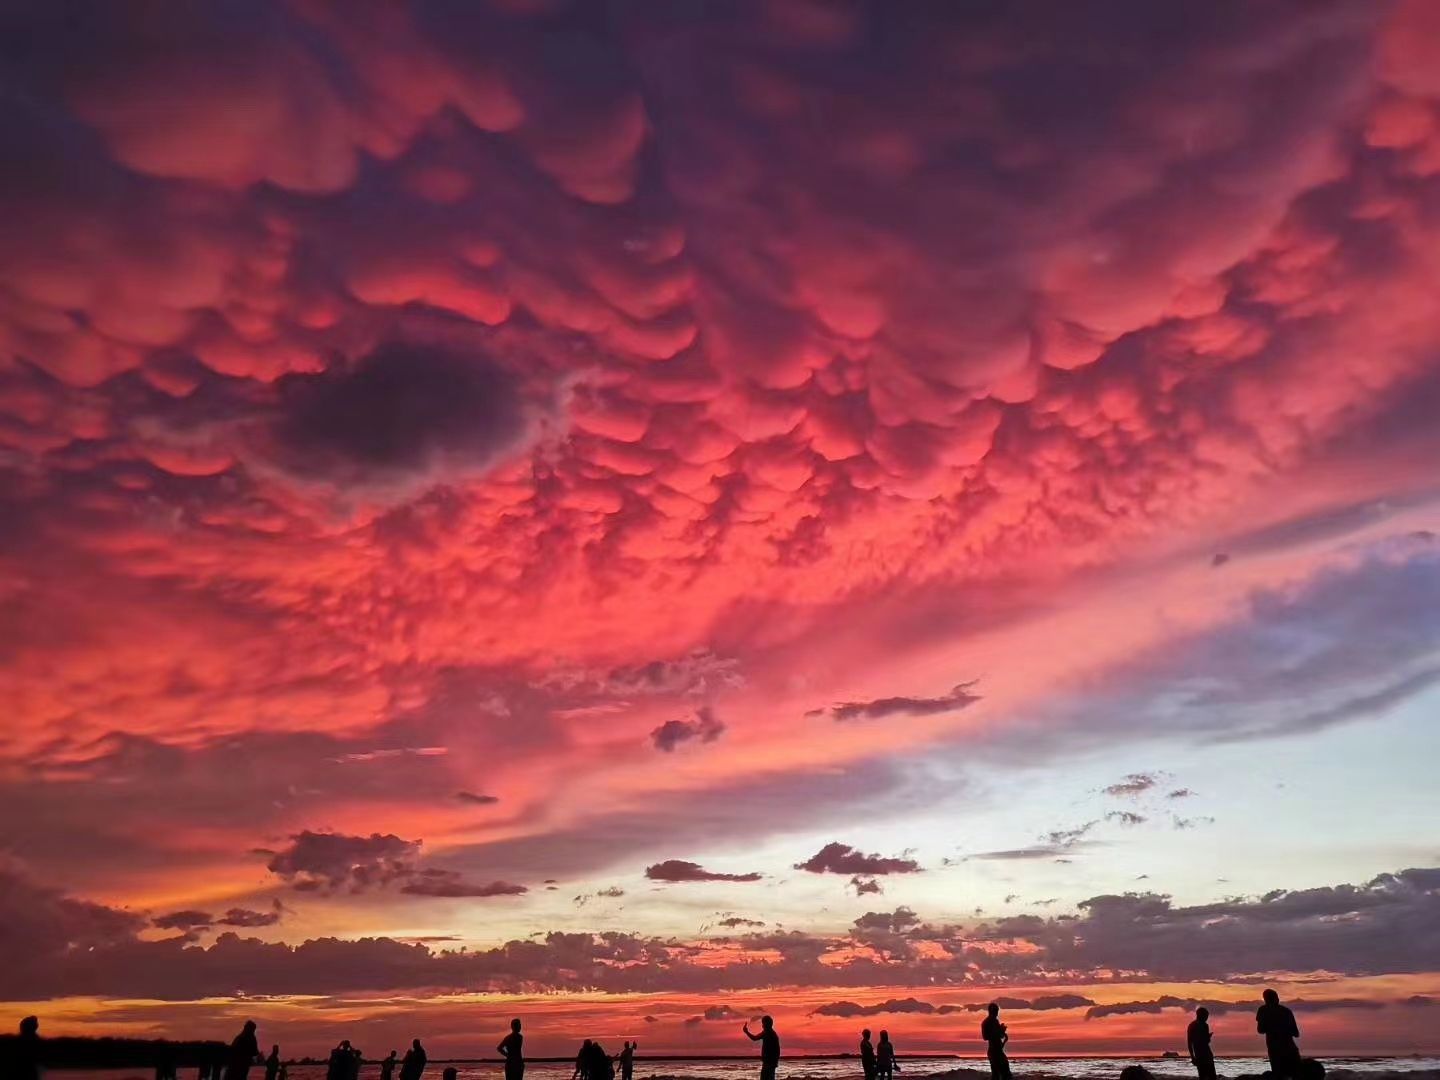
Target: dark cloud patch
901 919
892 1005
330 861
732 922
247 919
476 800
183 920
681 870
1169 1002
960 697
705 728
401 414
448 884
866 886
838 858
1134 784
1126 817
1181 793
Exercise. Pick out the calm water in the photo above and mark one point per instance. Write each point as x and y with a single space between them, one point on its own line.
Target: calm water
917 1068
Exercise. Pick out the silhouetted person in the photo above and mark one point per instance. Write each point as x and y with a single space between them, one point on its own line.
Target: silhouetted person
450 1073
164 1062
22 1058
512 1049
1197 1041
582 1062
387 1067
338 1067
627 1061
598 1064
1277 1024
244 1052
867 1055
272 1064
885 1057
413 1067
769 1046
995 1036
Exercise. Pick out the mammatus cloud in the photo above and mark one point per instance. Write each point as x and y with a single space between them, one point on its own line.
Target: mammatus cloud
705 728
958 698
680 870
838 858
509 382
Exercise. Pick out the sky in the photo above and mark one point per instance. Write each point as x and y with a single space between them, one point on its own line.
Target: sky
636 514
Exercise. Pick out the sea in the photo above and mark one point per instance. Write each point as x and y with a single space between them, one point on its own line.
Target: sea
912 1068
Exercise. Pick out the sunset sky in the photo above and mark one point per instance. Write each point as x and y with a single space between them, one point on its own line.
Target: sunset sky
635 513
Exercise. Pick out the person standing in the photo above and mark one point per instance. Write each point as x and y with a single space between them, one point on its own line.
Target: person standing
582 1062
272 1064
244 1052
387 1067
22 1058
995 1036
512 1049
627 1061
338 1067
867 1055
1277 1024
1197 1041
769 1046
413 1067
885 1054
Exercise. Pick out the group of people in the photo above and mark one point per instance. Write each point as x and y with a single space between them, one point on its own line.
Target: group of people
593 1063
1273 1020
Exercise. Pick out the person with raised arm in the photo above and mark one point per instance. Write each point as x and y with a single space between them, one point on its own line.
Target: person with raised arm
769 1046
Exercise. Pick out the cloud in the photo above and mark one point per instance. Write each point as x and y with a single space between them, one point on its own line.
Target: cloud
448 884
705 728
893 1005
1181 793
838 858
1125 817
960 697
184 920
476 800
731 922
402 414
1133 784
680 870
897 921
72 946
331 861
248 919
866 886
1166 1002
